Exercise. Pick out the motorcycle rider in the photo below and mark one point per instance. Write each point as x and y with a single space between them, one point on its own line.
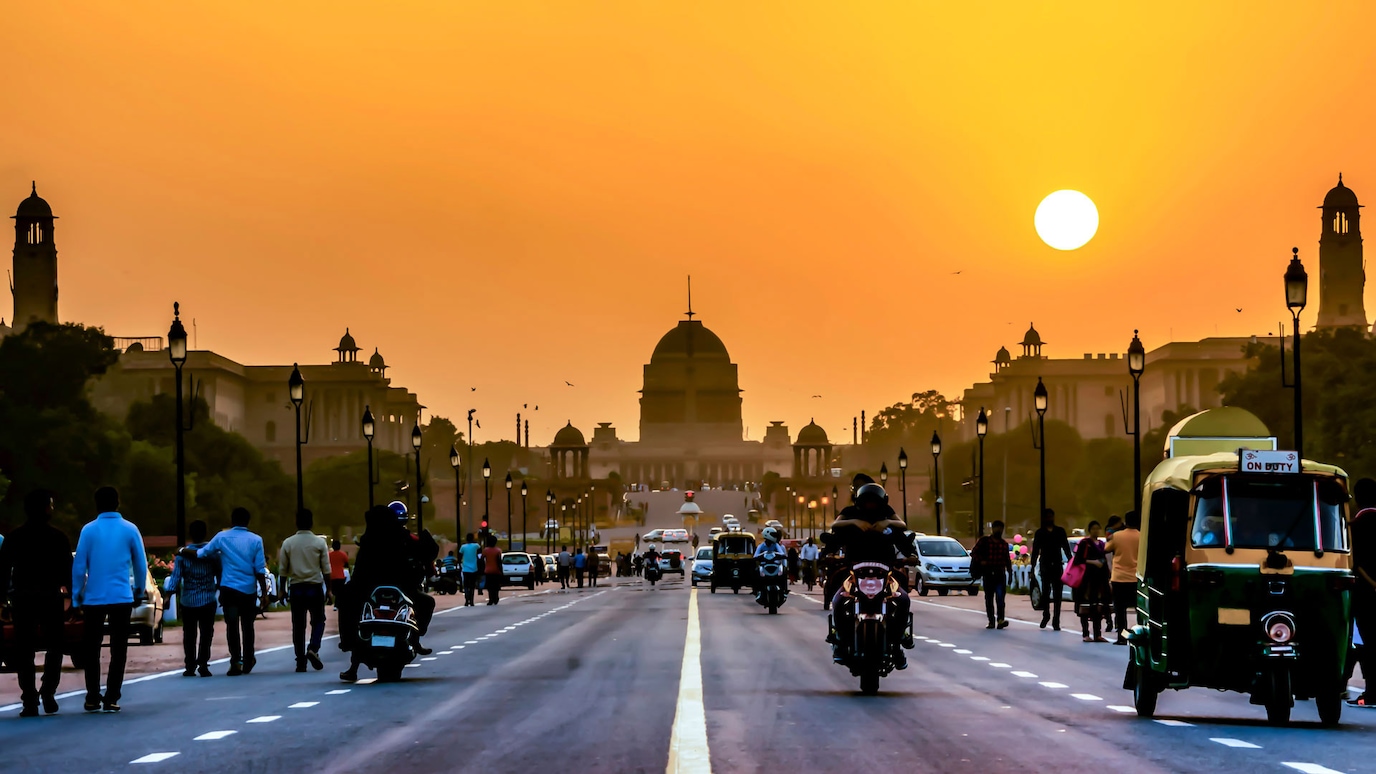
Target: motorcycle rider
768 548
651 555
868 532
423 552
833 573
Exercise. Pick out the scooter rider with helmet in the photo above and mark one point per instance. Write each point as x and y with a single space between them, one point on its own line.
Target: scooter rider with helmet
868 531
424 550
769 546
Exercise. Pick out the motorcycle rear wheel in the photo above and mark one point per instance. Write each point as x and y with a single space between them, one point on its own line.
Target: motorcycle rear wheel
389 673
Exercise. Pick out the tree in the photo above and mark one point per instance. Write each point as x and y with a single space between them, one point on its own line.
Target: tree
336 488
907 426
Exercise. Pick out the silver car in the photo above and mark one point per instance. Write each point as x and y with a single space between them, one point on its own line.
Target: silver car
702 565
944 564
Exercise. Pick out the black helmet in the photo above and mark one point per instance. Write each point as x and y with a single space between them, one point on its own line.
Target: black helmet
856 483
870 493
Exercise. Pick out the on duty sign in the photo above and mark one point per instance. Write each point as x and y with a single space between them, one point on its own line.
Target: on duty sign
1270 461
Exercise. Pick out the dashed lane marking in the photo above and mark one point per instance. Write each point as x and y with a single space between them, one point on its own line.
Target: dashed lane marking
159 757
1086 697
963 651
1238 743
1121 708
213 735
1174 723
1309 768
302 705
1023 674
413 666
264 719
1000 665
366 681
1053 686
979 658
429 658
947 645
337 692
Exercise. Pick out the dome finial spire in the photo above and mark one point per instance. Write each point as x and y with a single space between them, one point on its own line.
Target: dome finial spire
690 298
34 183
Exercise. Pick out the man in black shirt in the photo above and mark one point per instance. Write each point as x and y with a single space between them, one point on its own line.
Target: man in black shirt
36 566
1050 547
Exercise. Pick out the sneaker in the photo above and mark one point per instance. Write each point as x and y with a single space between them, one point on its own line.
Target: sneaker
111 707
49 703
29 711
1003 623
249 664
190 672
314 659
234 669
990 625
300 665
203 671
421 650
1045 621
91 706
349 675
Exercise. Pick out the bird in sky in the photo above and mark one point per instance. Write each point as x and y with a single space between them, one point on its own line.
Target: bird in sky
1239 309
525 405
568 383
955 272
472 389
479 423
816 396
537 408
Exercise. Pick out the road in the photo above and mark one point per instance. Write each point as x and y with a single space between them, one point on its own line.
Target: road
597 680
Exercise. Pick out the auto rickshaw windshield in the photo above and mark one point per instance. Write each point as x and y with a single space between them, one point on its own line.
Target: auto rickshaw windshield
1280 512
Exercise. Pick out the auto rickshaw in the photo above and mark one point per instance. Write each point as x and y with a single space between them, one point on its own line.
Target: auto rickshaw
733 560
1244 571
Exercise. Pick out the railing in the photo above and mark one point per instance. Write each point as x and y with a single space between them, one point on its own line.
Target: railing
146 343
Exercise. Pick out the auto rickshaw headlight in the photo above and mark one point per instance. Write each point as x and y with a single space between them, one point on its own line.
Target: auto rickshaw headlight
1279 627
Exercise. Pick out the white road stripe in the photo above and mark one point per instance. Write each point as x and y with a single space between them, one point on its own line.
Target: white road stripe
1055 686
264 719
1000 665
688 750
1121 708
302 705
213 735
948 645
963 652
429 658
1226 742
979 658
337 692
1086 697
413 666
366 681
162 756
1175 723
1024 674
1310 768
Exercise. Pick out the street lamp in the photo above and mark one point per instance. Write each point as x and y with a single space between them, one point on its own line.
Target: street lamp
296 388
578 532
176 350
420 503
456 462
1137 364
936 477
369 430
883 474
1296 296
903 480
835 502
524 492
549 516
811 515
981 430
1039 402
487 490
509 533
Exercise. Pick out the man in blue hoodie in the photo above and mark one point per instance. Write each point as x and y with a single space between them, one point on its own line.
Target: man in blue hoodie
108 577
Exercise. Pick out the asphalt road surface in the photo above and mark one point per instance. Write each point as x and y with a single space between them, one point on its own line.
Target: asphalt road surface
624 678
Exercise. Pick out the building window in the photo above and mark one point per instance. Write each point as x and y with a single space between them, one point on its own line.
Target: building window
271 432
1340 222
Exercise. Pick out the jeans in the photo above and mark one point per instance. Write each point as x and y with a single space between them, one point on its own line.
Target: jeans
306 599
96 618
494 585
240 609
1124 600
995 587
38 627
563 577
470 586
578 571
1051 592
198 629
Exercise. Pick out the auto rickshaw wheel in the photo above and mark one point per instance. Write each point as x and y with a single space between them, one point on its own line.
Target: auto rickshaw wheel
1279 701
1144 691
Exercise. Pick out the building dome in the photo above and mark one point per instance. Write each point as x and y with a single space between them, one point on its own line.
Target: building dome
346 343
376 360
569 437
1032 338
34 206
1340 196
1003 357
813 435
689 338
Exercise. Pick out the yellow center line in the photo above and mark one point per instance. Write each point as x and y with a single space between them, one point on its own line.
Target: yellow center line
688 752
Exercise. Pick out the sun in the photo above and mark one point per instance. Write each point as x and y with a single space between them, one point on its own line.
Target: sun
1066 220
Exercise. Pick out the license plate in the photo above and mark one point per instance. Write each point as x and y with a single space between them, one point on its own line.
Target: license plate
384 641
517 578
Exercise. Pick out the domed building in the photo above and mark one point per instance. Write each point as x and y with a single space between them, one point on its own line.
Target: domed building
35 262
1342 274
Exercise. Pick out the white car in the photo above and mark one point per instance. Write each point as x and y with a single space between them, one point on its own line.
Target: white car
943 564
518 570
653 535
668 558
702 565
675 536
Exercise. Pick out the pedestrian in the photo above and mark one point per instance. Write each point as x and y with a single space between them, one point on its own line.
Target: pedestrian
592 565
108 575
808 557
243 576
194 581
580 563
339 572
1050 548
492 568
303 561
793 564
1364 595
469 555
36 568
1092 593
1123 543
565 562
990 561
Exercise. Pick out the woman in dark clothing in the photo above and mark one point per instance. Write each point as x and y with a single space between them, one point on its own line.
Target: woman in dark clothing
1092 596
384 559
793 565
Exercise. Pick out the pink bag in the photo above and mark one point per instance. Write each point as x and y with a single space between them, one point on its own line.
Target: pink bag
1074 574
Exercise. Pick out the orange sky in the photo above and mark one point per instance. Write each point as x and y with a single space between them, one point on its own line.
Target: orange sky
508 195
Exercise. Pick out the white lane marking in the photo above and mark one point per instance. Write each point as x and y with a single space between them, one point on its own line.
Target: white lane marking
963 651
937 643
1121 708
302 705
470 642
162 756
1238 743
948 645
213 735
1023 674
429 658
688 750
1053 686
979 658
446 653
919 637
337 692
367 680
264 719
459 647
1000 665
1175 723
1086 697
1309 768
413 666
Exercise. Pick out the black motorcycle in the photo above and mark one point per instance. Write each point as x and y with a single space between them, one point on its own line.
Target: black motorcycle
876 632
652 571
448 580
385 633
773 587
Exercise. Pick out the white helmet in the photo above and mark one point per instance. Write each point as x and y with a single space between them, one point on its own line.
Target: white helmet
651 547
771 534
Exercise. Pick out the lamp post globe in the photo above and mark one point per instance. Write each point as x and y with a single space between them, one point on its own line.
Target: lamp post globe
1040 397
835 501
883 473
176 352
176 338
1296 297
296 390
369 430
296 386
369 424
936 477
1296 283
1137 357
1137 365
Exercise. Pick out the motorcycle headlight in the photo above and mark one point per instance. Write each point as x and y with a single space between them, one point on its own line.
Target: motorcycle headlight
1279 627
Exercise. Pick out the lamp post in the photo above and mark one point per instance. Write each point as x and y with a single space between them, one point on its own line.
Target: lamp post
456 462
825 502
936 477
296 388
903 480
811 515
370 430
1296 295
509 532
835 502
176 350
578 516
884 474
420 503
1039 402
487 491
1137 364
549 516
524 491
981 430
